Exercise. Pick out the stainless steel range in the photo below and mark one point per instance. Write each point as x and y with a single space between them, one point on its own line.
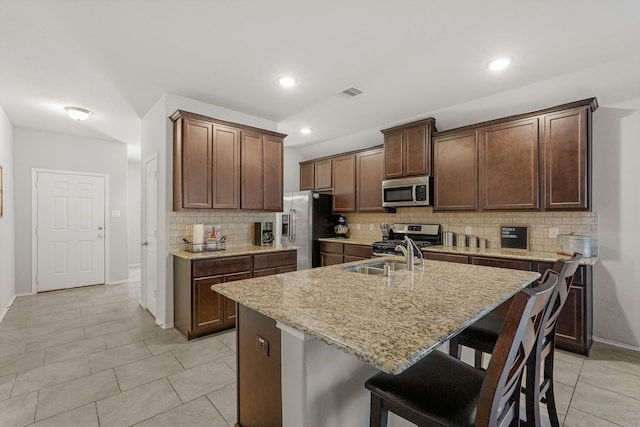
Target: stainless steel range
423 234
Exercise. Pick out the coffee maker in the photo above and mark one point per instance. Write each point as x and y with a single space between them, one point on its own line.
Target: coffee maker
263 235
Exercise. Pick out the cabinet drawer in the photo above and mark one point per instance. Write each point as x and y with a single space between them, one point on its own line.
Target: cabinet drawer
214 267
357 251
332 248
502 263
330 259
460 259
275 259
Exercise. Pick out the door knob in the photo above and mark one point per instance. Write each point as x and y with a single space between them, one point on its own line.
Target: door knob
144 244
100 236
99 228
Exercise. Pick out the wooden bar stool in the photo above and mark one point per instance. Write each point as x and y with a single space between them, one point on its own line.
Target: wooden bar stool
440 390
483 335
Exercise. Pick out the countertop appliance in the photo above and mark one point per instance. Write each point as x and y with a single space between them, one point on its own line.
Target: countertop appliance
414 191
423 234
263 234
307 217
342 229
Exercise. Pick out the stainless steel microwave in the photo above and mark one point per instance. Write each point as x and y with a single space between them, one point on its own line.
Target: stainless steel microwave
412 191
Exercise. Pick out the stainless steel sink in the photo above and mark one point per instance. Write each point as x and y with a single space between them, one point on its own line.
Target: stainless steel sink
364 269
377 268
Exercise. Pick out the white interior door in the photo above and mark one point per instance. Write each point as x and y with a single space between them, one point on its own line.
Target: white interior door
70 234
150 232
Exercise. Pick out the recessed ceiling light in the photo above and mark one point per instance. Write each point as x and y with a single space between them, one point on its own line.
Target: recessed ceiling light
305 131
499 64
287 81
77 113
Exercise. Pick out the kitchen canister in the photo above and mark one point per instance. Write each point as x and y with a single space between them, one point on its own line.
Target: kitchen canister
482 242
570 243
447 238
461 240
472 241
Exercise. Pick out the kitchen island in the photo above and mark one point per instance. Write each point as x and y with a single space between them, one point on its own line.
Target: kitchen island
338 327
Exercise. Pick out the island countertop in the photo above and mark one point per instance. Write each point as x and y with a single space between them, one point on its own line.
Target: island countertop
388 322
506 253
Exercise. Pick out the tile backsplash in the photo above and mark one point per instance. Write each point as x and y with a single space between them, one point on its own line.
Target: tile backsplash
237 226
485 224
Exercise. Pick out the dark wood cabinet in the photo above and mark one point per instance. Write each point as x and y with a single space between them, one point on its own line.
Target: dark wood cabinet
198 310
307 176
407 149
223 165
344 183
534 161
509 165
456 171
323 174
225 175
369 174
460 259
513 264
332 253
193 163
261 186
565 157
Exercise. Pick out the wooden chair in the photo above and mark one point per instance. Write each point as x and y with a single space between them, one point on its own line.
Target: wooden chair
440 390
483 335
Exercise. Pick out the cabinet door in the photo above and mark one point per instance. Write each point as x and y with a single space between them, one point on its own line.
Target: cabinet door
196 162
208 306
252 171
344 183
229 304
322 176
456 172
570 326
565 160
369 172
417 150
393 154
226 168
502 263
272 159
460 259
330 259
307 176
509 165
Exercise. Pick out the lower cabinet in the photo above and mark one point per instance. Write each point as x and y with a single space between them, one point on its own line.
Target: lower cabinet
332 253
200 311
575 324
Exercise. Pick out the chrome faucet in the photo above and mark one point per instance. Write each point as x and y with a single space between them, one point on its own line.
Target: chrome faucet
409 253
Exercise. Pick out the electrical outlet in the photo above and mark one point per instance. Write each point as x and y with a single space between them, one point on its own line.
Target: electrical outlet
262 345
553 232
370 227
467 229
357 226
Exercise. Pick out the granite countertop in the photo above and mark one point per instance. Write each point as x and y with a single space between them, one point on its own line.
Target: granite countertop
232 251
388 322
506 253
363 242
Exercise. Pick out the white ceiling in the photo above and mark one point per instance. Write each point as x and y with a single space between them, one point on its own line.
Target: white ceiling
411 57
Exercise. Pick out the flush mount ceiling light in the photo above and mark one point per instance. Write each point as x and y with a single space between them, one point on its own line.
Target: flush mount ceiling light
499 64
305 131
287 81
77 113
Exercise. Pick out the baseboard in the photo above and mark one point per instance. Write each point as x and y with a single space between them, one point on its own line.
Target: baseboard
134 265
6 309
616 344
167 326
118 282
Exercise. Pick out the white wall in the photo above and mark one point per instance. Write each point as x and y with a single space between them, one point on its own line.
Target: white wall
157 136
35 149
7 225
616 152
133 213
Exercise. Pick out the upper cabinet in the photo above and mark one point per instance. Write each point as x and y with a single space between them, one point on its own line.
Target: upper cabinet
369 174
222 165
316 175
407 149
344 183
532 161
565 152
307 176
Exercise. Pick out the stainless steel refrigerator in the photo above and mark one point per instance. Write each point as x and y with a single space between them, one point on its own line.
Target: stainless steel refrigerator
307 217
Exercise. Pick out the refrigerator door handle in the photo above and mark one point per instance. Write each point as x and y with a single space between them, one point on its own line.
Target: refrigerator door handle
289 232
293 225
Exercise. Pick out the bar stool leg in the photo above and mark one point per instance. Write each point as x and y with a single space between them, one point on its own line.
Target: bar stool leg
378 415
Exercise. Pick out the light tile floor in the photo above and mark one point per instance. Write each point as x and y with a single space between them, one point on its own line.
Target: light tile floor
93 357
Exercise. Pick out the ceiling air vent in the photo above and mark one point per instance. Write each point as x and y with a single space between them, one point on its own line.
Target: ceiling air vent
350 92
